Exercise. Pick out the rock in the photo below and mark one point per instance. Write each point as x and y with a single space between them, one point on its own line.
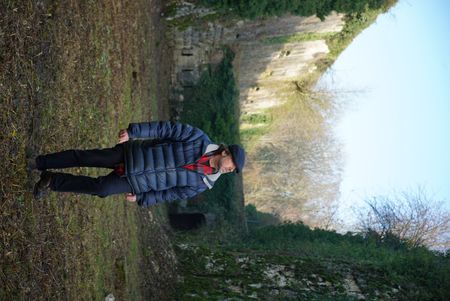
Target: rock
255 285
110 297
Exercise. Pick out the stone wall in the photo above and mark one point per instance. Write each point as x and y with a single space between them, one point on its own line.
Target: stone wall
261 69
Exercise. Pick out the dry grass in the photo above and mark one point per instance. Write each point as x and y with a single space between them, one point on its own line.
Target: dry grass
71 75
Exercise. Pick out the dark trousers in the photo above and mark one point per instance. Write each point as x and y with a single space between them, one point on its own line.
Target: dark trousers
100 186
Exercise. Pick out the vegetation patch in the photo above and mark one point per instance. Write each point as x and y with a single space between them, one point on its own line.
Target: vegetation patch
298 37
355 23
265 8
213 106
292 261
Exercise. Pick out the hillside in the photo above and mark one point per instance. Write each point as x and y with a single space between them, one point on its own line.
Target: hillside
285 121
294 262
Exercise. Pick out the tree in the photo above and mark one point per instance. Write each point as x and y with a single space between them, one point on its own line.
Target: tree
412 216
295 169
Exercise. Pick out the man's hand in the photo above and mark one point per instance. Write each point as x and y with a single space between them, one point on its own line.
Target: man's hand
131 197
123 136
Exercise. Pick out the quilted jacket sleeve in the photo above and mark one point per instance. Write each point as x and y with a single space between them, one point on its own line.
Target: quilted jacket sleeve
177 193
164 130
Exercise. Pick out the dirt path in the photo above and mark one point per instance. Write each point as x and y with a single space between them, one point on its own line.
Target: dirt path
71 75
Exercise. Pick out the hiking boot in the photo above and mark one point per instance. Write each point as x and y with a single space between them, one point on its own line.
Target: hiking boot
42 187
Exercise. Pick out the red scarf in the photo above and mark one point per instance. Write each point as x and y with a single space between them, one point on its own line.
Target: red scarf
201 165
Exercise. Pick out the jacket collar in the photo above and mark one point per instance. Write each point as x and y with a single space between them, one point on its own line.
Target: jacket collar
210 179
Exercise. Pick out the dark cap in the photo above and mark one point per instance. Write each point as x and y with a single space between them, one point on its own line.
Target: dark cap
238 156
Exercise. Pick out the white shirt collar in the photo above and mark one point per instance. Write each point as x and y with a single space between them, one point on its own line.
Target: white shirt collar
211 147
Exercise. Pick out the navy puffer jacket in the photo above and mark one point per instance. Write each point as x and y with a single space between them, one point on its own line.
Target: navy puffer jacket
154 164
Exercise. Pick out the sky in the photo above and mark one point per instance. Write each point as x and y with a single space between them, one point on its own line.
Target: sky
395 81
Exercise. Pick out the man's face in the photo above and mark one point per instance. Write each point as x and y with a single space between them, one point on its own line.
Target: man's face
226 163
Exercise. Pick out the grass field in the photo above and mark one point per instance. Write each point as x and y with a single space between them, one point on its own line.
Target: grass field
71 76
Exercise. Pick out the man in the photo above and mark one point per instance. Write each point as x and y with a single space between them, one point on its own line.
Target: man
154 162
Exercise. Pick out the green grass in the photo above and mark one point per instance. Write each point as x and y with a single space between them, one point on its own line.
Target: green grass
251 136
253 127
257 118
298 37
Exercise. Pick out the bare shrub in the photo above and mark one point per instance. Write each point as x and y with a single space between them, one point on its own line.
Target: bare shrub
412 216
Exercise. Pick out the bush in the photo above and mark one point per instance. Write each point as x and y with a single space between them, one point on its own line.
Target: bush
214 107
321 8
423 274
